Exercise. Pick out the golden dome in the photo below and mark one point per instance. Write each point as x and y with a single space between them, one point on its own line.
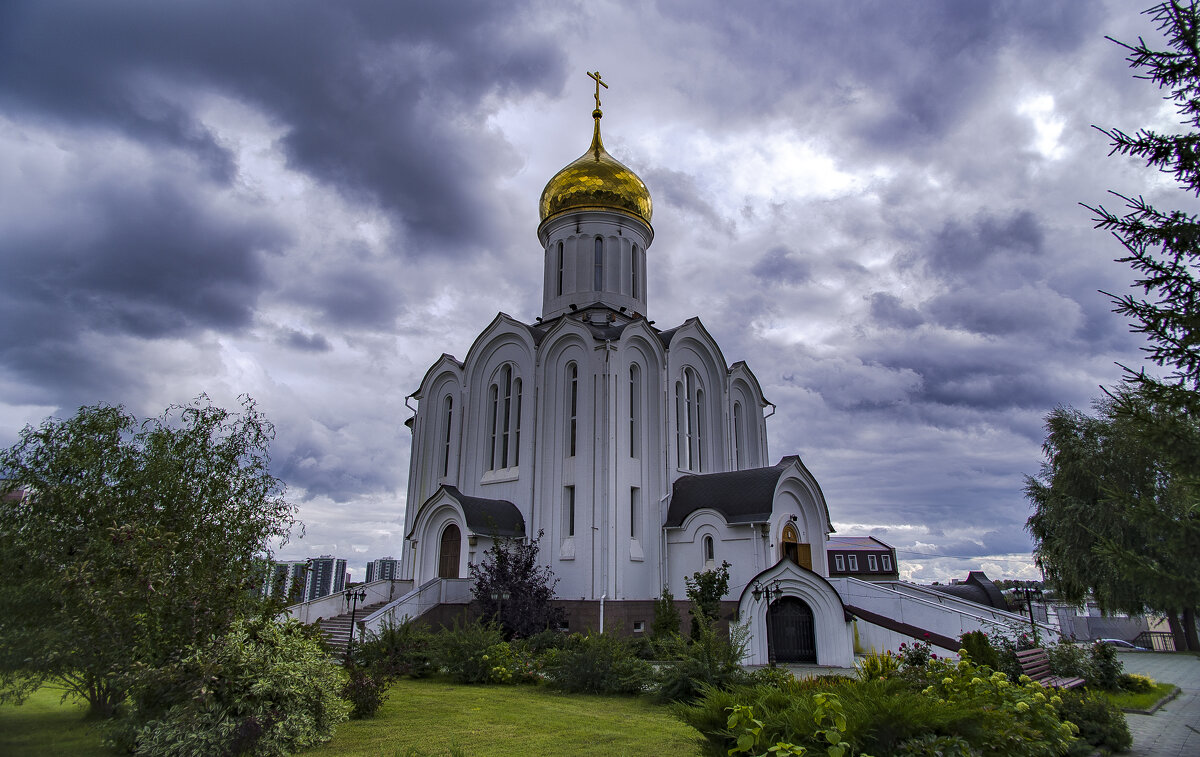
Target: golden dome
596 181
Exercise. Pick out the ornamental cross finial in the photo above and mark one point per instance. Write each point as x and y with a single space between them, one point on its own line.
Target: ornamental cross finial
599 84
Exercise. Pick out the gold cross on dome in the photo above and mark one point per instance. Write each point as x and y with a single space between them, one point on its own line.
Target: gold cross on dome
599 84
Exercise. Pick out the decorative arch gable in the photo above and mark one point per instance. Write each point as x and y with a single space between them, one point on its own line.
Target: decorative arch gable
832 629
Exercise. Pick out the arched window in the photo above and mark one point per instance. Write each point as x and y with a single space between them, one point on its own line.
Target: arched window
598 266
635 410
572 407
505 419
449 552
739 442
447 418
689 417
559 288
710 554
633 272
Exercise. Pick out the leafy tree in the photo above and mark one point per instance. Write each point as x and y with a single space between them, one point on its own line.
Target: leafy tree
1163 248
1110 515
523 589
705 589
666 617
124 542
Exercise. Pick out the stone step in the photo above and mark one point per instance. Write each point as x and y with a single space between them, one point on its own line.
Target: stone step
337 629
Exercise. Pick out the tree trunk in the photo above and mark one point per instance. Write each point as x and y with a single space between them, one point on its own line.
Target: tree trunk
1177 634
1189 629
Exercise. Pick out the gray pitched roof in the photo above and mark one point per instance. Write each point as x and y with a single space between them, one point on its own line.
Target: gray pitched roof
743 496
977 588
487 517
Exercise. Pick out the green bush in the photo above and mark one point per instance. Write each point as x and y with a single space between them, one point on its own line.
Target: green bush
979 649
932 745
597 664
710 660
915 655
666 617
471 652
263 688
1070 660
398 649
1138 684
1106 668
365 691
1100 722
877 665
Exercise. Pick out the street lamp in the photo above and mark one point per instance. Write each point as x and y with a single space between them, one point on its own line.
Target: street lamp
1031 590
353 597
498 597
772 590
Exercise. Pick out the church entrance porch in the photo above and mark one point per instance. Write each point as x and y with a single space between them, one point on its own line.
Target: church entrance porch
791 634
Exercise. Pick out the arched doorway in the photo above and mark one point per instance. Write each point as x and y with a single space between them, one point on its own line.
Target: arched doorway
792 549
449 551
791 632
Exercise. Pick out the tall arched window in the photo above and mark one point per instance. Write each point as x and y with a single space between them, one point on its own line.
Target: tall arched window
505 419
633 272
559 288
572 407
635 410
690 422
598 266
447 419
710 552
698 438
739 442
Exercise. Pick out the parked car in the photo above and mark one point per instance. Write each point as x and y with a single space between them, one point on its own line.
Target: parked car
1119 643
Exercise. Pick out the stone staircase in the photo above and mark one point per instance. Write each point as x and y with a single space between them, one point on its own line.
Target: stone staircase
337 628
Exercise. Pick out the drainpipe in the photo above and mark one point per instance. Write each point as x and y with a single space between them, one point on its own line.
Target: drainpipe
602 598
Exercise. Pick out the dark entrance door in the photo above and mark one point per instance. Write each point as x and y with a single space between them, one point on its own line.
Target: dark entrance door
449 552
791 634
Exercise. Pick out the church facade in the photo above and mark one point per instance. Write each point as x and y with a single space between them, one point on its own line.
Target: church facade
638 453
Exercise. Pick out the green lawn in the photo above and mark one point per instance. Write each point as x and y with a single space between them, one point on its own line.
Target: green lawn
46 727
426 718
420 719
1128 700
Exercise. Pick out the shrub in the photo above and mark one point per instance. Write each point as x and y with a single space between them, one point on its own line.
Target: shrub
705 589
1106 668
365 691
597 664
878 665
915 655
1138 684
711 660
398 649
1070 660
666 617
932 745
468 652
979 649
1100 722
262 688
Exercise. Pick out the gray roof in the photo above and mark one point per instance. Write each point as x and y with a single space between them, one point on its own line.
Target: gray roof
743 496
977 588
487 517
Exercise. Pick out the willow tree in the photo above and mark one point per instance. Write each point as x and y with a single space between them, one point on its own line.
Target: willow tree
122 542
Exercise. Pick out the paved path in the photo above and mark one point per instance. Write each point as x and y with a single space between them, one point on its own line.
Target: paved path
1173 731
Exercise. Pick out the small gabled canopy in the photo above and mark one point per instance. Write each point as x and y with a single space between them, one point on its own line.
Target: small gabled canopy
744 496
485 517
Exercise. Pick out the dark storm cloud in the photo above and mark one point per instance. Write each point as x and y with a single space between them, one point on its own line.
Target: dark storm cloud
888 311
138 259
382 100
900 74
960 247
353 297
779 265
304 342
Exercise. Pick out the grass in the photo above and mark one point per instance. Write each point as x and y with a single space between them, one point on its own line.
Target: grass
47 727
419 719
427 718
1129 700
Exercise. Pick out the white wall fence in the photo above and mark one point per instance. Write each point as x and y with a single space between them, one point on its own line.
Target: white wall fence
435 591
922 608
329 606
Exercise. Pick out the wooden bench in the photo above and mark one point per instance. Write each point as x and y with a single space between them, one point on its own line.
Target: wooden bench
1035 663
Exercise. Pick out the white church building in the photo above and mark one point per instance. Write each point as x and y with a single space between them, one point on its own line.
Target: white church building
639 453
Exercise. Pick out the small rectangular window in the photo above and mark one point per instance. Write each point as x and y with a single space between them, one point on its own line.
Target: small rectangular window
853 563
872 564
635 511
887 562
569 511
839 563
639 626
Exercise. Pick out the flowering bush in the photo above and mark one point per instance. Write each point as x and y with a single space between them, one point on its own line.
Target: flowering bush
916 655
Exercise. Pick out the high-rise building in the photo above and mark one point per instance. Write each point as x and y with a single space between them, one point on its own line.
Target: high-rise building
326 575
383 569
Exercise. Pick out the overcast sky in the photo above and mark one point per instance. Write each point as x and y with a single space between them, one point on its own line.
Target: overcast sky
875 204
